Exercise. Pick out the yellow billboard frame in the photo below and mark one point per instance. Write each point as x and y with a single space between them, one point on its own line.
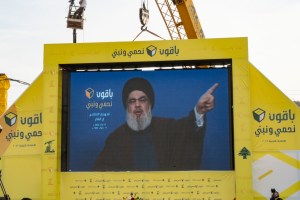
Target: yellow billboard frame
235 49
43 101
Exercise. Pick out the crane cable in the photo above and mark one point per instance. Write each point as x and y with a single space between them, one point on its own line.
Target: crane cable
19 81
16 80
144 18
148 32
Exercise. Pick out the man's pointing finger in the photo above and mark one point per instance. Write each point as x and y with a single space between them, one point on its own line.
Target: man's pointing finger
212 89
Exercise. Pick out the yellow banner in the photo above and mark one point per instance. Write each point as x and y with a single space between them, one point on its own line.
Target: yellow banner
275 118
151 185
21 144
275 136
22 124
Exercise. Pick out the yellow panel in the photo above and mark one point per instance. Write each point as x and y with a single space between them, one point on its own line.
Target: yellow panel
23 123
148 51
274 116
242 137
275 137
22 176
21 144
151 185
111 52
276 169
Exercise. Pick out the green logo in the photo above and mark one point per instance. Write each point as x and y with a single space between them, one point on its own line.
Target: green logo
151 50
49 148
10 118
244 152
259 114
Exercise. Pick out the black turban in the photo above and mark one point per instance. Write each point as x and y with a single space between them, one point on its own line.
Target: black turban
138 84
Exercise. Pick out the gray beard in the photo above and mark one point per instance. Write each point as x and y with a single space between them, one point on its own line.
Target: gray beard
140 123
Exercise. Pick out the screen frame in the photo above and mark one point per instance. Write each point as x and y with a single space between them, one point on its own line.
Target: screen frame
119 67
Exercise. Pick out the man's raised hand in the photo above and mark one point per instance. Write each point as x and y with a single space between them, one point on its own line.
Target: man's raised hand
207 100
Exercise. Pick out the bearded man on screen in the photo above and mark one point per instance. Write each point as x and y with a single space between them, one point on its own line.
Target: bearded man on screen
147 143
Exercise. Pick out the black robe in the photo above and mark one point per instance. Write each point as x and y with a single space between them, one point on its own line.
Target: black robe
177 146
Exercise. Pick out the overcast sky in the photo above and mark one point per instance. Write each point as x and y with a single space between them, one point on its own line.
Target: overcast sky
272 28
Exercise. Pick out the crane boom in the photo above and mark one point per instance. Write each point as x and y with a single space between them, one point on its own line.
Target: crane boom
180 18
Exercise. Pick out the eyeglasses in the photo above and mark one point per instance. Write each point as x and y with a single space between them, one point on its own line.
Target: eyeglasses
141 100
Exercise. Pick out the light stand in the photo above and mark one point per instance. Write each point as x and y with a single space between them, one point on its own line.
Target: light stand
6 196
74 35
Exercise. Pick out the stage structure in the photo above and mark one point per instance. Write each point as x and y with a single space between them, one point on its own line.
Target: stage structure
67 122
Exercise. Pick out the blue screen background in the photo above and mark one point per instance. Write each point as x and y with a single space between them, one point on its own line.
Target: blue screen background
176 94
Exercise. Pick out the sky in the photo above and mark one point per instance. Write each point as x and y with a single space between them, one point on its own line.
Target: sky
271 26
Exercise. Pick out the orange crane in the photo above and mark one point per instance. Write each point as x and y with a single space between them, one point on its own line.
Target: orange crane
4 86
180 18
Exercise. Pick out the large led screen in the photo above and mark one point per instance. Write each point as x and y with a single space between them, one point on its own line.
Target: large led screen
150 120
